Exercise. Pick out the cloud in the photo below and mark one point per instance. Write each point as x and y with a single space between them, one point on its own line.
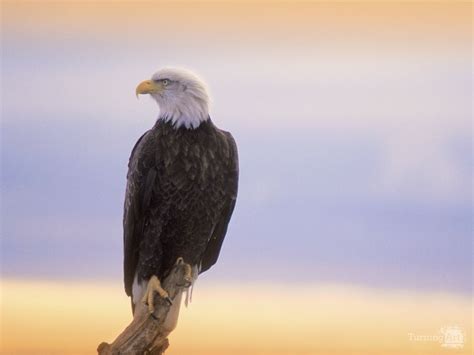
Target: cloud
306 319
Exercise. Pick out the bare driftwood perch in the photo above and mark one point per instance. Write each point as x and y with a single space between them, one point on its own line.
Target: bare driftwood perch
147 334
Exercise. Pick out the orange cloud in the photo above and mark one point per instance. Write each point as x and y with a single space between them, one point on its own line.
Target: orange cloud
235 22
73 318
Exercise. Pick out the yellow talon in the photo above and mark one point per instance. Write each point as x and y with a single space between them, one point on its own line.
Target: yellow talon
154 285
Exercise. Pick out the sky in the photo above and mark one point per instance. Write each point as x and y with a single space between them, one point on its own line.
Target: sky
352 121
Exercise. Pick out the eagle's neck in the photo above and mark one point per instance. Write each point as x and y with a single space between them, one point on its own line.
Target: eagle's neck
187 122
188 113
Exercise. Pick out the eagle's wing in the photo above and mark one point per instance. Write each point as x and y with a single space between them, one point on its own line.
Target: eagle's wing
140 182
220 229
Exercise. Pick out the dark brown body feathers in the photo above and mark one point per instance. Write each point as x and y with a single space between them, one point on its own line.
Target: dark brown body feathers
181 192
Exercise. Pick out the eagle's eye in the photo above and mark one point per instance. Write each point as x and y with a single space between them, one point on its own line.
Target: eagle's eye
165 82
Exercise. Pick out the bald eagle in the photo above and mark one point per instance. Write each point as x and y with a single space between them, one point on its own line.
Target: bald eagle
181 187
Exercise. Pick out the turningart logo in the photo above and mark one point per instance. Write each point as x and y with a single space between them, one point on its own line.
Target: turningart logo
450 337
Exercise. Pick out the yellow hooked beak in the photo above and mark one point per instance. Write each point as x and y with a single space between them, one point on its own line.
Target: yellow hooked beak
148 87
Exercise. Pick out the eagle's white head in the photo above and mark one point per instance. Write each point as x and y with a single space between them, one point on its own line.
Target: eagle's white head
180 94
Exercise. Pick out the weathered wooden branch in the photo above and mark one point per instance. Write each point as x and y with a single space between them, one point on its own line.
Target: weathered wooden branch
147 334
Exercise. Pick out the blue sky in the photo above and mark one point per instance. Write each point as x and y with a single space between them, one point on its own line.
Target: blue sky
355 157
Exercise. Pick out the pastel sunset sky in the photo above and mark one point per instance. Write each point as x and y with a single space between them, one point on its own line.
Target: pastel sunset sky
352 231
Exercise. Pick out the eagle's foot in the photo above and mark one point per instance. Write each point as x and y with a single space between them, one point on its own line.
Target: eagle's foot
188 273
154 285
